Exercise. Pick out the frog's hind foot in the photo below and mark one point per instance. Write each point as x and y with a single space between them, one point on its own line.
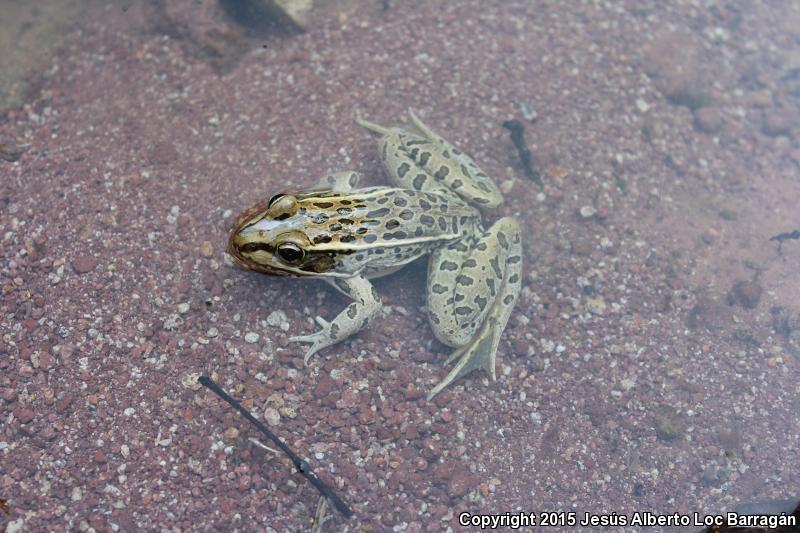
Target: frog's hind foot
480 353
371 126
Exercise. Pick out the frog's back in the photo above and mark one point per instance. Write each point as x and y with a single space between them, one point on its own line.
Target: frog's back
379 229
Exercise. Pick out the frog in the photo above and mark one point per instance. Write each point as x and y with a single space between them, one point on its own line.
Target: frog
348 235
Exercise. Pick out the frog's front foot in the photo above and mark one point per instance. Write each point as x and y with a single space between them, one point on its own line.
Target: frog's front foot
366 306
319 339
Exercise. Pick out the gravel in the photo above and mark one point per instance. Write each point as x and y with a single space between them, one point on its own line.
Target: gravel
616 394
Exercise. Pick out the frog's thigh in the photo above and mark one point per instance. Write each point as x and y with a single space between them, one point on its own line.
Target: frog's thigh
467 282
340 181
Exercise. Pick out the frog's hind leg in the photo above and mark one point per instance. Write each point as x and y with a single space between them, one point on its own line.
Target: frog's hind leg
455 169
340 181
471 292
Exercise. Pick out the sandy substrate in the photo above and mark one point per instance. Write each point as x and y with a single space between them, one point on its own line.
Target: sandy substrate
651 365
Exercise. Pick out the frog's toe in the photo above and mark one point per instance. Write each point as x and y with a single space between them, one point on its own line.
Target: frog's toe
371 126
318 340
482 353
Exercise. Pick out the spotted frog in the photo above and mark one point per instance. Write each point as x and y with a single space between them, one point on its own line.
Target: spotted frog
348 235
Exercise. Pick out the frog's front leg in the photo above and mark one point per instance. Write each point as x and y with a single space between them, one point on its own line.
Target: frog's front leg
365 306
472 289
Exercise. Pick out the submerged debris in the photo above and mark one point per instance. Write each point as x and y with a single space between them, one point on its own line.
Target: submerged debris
517 130
794 235
10 152
257 14
301 465
745 294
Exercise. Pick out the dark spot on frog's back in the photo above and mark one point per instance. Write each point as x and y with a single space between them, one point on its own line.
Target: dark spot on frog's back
323 205
370 238
396 235
344 211
347 238
319 218
427 220
392 224
400 201
377 213
321 239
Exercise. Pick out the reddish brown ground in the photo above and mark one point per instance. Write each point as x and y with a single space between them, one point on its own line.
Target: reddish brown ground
638 373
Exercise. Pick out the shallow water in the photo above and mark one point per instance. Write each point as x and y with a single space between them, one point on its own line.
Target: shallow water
651 363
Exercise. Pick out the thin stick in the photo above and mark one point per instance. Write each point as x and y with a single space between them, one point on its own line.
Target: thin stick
302 466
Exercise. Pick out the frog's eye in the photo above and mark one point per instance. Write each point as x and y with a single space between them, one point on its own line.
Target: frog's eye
290 252
274 199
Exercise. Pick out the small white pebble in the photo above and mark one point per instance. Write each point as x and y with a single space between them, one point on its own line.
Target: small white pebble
251 337
277 319
183 308
272 416
588 211
129 411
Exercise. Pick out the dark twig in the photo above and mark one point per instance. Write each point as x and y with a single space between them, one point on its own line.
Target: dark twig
517 130
786 236
302 466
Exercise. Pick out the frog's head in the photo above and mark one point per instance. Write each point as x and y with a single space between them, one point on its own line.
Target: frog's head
268 237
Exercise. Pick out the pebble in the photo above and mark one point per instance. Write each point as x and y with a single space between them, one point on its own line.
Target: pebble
24 414
669 424
708 119
278 319
206 249
183 308
587 211
596 306
776 123
251 337
272 416
83 264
